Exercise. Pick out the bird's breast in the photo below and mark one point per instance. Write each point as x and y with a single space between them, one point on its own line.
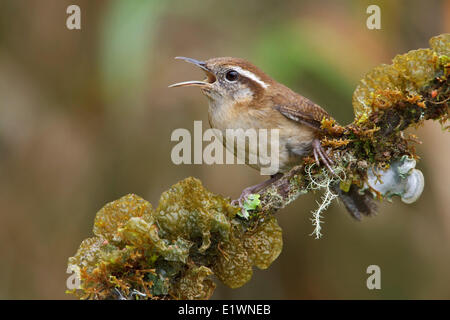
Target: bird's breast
292 140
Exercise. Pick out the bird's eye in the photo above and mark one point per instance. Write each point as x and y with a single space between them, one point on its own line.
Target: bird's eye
232 75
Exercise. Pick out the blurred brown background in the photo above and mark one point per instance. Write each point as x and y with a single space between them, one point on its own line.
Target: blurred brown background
86 117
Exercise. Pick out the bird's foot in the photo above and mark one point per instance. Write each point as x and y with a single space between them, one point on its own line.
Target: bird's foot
319 153
248 191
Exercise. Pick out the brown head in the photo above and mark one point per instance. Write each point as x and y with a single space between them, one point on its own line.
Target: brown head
229 80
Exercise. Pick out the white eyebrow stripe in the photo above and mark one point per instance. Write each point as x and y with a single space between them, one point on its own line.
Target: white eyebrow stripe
250 75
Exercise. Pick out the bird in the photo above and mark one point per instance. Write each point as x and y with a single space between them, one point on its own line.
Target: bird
241 96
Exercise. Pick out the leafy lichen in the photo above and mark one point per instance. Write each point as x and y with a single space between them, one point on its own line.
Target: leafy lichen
173 251
405 79
389 99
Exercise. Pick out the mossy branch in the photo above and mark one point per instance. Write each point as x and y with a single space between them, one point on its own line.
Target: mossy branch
172 251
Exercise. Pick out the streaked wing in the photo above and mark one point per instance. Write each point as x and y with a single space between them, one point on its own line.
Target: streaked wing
305 112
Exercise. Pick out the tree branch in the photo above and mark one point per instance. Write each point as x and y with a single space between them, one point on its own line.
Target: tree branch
172 251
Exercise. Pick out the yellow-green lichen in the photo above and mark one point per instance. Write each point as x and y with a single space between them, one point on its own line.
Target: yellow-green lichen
173 251
195 284
441 44
115 214
187 209
259 247
264 244
233 265
406 76
387 101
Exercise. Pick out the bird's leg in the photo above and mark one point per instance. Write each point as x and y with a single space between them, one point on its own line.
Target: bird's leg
248 191
320 153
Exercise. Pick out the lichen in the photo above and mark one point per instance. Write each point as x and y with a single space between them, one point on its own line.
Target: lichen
406 78
388 100
173 251
250 204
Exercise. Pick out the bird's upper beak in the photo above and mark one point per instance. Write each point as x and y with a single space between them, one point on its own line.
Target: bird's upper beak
210 77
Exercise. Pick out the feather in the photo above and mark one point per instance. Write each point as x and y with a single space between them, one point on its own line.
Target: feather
303 111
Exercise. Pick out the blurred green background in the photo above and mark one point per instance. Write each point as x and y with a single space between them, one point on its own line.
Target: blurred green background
86 117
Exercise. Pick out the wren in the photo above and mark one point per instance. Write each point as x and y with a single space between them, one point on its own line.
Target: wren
241 96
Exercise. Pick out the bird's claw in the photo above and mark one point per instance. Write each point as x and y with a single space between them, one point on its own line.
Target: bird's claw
319 152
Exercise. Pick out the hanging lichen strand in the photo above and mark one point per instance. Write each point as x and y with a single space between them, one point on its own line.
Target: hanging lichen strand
172 252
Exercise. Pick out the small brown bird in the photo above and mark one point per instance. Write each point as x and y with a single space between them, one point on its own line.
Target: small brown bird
241 96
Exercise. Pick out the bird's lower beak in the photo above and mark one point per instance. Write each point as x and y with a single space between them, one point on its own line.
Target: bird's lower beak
193 83
210 77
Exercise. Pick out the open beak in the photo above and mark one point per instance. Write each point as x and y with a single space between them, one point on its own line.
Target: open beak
210 77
